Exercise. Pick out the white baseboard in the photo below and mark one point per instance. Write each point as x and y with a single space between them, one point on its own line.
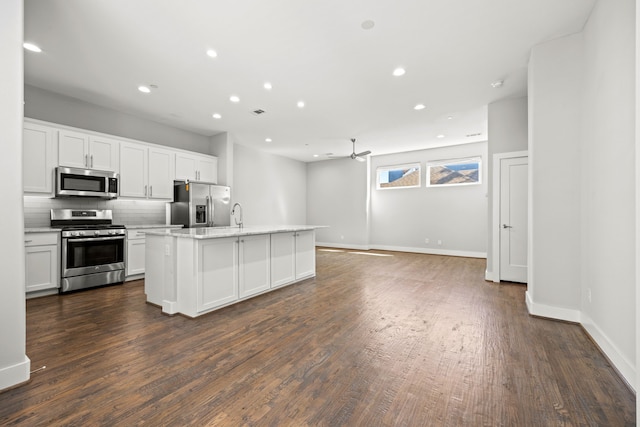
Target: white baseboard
621 364
557 313
343 246
488 276
15 374
430 251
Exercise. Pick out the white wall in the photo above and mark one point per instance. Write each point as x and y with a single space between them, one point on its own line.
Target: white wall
607 147
52 107
583 181
401 219
222 148
555 87
337 197
271 189
507 122
14 364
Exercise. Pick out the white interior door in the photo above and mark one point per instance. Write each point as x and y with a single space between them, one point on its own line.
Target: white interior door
513 219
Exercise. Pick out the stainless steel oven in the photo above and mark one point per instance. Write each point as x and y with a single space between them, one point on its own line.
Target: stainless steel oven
92 249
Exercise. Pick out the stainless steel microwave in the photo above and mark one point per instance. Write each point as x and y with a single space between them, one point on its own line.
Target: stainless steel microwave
74 182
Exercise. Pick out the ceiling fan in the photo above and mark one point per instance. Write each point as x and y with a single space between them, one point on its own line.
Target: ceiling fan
355 156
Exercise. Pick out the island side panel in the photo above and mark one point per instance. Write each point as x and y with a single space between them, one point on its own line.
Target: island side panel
154 262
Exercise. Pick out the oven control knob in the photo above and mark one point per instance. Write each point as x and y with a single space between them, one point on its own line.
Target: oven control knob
96 233
76 233
112 232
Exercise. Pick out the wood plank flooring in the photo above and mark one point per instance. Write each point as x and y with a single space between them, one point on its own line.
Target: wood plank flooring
376 339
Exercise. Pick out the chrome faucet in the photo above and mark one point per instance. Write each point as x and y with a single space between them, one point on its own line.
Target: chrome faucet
233 213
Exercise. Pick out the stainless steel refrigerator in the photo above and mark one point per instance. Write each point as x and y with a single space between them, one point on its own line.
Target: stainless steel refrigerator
200 204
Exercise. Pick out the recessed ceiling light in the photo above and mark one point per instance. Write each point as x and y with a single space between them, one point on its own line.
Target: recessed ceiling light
300 104
268 140
144 89
368 24
399 72
450 118
440 136
268 86
316 155
497 84
212 53
32 47
419 107
234 98
217 116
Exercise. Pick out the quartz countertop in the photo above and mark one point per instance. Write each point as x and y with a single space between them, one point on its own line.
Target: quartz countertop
41 230
143 226
219 232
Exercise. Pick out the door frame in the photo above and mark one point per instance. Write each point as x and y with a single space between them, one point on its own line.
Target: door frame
495 223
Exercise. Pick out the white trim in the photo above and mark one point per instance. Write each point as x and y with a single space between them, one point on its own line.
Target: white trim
488 276
15 374
551 312
429 251
343 246
495 229
624 366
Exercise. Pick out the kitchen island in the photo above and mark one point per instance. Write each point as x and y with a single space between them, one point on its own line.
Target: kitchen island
198 270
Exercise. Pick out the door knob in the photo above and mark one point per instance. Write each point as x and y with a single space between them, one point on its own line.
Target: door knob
506 226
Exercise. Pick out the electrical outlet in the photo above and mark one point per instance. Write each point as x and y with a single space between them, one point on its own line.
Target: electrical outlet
426 240
341 237
439 242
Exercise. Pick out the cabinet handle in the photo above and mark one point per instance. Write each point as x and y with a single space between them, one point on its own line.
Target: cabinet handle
198 175
145 191
92 160
86 160
28 241
150 190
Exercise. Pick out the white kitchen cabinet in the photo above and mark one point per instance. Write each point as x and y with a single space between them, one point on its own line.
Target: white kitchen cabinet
136 244
217 273
254 274
39 158
305 254
145 172
283 259
81 150
42 260
196 167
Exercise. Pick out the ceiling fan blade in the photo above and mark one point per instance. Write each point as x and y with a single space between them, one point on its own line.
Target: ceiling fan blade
364 153
360 159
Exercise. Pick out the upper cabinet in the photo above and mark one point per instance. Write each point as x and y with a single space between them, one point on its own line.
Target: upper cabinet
145 172
38 158
196 167
80 150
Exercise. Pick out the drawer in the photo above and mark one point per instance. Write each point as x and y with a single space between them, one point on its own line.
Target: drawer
135 234
40 239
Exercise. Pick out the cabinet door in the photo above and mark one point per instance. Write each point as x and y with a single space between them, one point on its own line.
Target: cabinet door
103 154
208 169
133 170
217 273
305 254
254 264
283 260
135 256
41 270
186 167
73 149
160 174
38 158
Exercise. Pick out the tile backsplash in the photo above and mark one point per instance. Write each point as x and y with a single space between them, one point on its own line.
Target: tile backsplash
127 212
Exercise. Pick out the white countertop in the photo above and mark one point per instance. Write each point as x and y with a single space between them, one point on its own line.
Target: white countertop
219 232
128 227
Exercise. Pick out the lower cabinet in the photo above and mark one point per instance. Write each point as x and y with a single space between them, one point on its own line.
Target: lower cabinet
42 261
194 276
217 273
136 240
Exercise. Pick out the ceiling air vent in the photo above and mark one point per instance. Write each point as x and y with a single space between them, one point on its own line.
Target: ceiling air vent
473 134
258 112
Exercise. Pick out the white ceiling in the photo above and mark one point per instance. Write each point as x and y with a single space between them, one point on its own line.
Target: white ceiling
100 51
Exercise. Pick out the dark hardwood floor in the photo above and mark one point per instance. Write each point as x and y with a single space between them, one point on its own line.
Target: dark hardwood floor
391 339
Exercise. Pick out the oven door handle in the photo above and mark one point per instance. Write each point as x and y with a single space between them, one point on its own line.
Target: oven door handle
94 239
